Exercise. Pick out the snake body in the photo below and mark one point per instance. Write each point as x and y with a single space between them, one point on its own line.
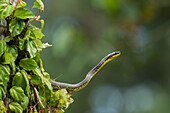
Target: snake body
89 76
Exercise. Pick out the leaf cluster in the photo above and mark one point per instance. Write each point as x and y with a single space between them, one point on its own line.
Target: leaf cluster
24 85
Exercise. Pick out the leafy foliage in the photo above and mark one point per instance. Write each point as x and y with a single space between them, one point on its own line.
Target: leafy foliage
6 9
2 46
23 13
38 4
2 107
23 81
16 107
28 64
16 26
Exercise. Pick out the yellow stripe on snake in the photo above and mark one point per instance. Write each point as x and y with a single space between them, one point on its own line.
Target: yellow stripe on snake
89 76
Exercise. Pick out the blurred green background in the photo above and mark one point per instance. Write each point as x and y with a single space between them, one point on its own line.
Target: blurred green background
82 32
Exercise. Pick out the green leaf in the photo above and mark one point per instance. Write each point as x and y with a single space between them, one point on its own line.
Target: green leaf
32 48
28 64
15 107
22 4
55 98
61 103
35 79
2 47
30 34
38 60
18 80
36 33
37 71
2 93
45 92
8 38
22 43
6 9
4 72
21 80
68 103
63 97
12 50
38 4
7 58
16 26
3 109
24 103
39 44
17 93
24 13
18 68
13 66
25 76
47 82
60 111
27 34
63 94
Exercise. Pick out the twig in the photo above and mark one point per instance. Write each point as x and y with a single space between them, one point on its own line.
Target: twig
15 8
38 98
37 17
57 77
43 92
48 111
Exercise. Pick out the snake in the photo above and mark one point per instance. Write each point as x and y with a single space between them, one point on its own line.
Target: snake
76 87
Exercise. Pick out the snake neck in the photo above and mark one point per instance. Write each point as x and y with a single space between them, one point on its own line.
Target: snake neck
80 85
89 76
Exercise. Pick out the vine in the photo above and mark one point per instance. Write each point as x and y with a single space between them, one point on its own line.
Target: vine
24 85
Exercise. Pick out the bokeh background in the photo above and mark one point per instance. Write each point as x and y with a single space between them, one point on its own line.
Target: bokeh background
82 32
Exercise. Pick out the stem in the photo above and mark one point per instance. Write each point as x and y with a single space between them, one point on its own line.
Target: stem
15 8
37 17
57 77
39 12
38 98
